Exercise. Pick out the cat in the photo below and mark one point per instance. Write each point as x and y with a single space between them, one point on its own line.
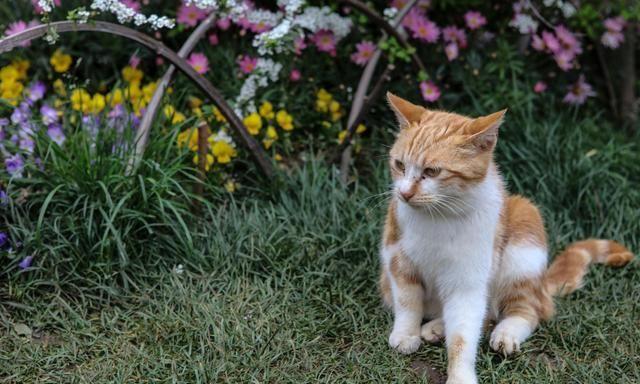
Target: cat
459 250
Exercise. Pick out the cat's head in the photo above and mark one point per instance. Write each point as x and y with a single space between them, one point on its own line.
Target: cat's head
439 156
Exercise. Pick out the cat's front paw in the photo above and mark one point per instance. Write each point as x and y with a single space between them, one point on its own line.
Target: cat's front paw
404 343
460 376
504 341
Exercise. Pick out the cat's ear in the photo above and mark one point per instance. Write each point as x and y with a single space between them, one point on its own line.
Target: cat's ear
405 111
483 131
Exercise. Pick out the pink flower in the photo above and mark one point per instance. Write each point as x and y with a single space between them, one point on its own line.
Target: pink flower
540 87
452 34
133 4
247 64
430 92
18 27
224 23
38 9
325 41
426 30
612 39
538 43
134 61
564 59
579 92
299 45
295 75
364 51
451 50
550 41
413 18
190 15
615 24
474 19
159 61
213 39
199 62
568 40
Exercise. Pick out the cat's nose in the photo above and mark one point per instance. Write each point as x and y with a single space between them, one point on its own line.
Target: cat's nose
407 195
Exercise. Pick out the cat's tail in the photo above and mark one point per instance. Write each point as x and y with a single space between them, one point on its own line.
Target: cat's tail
565 274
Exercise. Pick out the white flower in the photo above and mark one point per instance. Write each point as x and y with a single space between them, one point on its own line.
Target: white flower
390 13
524 23
126 14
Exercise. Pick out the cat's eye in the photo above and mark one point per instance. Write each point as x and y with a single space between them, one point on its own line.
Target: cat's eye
400 165
431 172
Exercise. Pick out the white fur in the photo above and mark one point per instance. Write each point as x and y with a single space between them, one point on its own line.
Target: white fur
523 261
509 333
454 256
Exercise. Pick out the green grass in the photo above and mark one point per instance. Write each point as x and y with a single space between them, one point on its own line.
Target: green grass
281 286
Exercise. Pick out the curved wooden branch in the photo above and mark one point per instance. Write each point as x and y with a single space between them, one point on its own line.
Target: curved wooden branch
212 92
142 134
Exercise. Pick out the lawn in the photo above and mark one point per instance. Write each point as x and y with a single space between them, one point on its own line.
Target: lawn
280 285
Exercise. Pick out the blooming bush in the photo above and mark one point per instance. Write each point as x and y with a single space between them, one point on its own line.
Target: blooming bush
288 70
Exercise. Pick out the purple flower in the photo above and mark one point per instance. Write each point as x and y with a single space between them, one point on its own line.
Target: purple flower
36 91
579 92
26 262
4 239
615 24
453 34
55 133
14 165
27 144
4 198
21 114
49 115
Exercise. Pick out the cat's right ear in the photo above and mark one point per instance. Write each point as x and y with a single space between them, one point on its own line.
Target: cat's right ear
406 112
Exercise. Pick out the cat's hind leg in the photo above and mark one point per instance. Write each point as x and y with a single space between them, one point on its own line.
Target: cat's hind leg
522 298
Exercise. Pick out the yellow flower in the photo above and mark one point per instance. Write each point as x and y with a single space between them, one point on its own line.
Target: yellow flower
188 137
341 136
335 116
271 137
115 97
230 186
326 124
194 102
266 110
97 103
11 91
132 75
178 118
253 122
208 163
22 66
133 93
271 132
59 88
197 112
223 151
334 106
361 128
322 106
9 73
277 157
324 95
60 61
285 120
148 90
218 115
81 100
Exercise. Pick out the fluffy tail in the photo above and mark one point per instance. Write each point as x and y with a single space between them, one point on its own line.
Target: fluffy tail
565 273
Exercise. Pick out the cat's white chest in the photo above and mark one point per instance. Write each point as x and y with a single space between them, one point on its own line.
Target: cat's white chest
449 251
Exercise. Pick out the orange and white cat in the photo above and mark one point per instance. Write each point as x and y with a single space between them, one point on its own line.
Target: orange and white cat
458 249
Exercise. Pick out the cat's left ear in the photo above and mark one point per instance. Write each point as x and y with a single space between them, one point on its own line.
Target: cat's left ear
484 130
